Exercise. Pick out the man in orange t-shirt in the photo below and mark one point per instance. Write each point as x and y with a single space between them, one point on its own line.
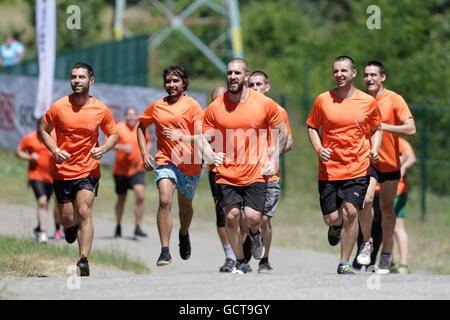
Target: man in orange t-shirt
349 119
259 81
397 121
77 119
40 179
239 122
230 259
178 164
128 170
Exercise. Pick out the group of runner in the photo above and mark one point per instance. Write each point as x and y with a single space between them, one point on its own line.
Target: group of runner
241 135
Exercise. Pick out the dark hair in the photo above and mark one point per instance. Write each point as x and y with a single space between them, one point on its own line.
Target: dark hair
342 58
241 61
83 65
260 73
377 64
178 71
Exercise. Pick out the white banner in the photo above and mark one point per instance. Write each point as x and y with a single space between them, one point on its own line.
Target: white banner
46 39
18 93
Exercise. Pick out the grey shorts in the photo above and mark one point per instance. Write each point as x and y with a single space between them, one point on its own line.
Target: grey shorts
272 193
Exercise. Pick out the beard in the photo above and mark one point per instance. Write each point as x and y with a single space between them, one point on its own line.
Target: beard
80 90
237 90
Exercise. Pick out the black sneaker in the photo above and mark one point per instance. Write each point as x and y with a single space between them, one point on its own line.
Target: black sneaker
164 258
228 265
264 267
71 234
247 247
240 268
185 246
118 232
139 232
83 267
334 235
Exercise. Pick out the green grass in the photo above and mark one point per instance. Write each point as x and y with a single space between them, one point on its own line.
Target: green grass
20 258
298 222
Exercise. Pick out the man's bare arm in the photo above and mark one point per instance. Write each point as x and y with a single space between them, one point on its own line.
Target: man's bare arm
47 140
110 142
142 143
406 129
376 139
315 140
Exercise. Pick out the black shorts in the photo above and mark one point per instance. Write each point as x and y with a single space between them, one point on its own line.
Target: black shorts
384 176
220 215
124 183
41 188
253 195
333 193
66 190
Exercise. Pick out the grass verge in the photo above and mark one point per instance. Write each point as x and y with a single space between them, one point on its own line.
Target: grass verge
20 258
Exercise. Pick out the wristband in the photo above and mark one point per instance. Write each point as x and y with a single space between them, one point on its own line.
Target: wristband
318 150
56 151
180 138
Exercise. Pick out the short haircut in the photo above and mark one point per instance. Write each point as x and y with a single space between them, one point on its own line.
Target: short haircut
178 71
260 73
241 61
343 58
130 108
83 65
377 64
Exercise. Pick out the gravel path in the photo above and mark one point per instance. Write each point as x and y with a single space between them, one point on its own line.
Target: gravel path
298 274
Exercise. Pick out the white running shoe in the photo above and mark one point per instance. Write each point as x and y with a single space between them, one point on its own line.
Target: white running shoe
257 245
42 237
363 257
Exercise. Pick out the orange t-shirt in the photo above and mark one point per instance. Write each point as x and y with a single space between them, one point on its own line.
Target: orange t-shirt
276 176
185 116
77 133
345 129
394 111
240 130
42 169
403 147
128 164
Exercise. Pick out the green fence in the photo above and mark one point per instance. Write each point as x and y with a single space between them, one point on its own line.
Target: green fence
116 62
431 144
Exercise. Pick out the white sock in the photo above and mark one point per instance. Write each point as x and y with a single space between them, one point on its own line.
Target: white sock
229 252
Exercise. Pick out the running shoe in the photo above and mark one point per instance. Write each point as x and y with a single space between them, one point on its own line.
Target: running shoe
240 268
42 237
164 258
364 254
257 244
404 270
334 235
185 246
344 268
83 267
58 235
384 266
265 267
118 232
71 234
228 265
139 232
